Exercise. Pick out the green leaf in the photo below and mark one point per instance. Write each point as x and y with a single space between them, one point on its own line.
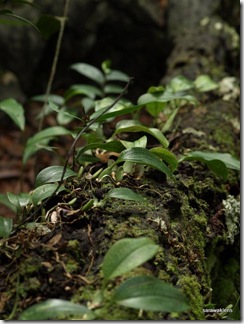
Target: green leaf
21 19
219 168
48 25
108 115
126 194
141 142
42 138
89 71
115 75
130 126
54 309
5 201
154 108
166 156
18 200
127 254
166 97
205 83
230 161
180 83
144 156
150 294
44 191
83 89
15 111
6 225
53 174
111 88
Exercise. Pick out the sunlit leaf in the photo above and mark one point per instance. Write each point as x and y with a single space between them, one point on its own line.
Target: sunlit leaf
54 309
15 111
56 99
127 254
53 174
89 71
6 225
130 126
205 83
126 194
180 83
144 156
150 294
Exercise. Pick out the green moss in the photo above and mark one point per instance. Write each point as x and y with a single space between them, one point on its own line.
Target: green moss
30 266
191 287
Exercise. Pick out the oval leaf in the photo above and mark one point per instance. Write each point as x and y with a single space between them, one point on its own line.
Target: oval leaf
53 174
230 161
127 254
53 309
15 111
151 294
205 83
126 194
6 225
89 71
44 191
143 156
167 156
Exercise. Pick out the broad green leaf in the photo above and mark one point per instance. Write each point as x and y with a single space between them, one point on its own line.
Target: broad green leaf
111 114
53 174
54 309
39 140
18 200
127 254
15 111
230 161
180 83
44 191
5 201
126 194
111 88
115 75
6 225
150 294
83 89
219 168
144 156
205 83
89 71
130 126
166 156
154 108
